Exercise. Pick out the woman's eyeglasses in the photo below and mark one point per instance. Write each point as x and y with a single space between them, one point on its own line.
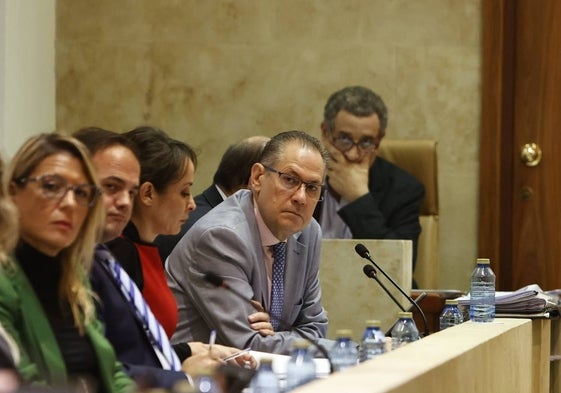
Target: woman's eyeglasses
55 187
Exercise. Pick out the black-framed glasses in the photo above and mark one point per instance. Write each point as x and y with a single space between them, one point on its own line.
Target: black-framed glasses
55 187
345 143
314 191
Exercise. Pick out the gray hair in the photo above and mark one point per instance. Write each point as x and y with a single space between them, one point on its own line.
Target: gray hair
357 100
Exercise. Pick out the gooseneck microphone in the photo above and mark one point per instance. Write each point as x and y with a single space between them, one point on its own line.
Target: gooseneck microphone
371 272
219 281
364 253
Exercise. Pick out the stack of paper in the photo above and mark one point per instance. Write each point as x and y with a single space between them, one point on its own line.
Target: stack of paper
530 299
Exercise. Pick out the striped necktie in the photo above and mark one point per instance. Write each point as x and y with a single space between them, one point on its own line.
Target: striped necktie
277 284
154 331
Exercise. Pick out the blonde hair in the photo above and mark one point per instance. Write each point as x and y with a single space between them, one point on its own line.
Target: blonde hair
8 222
76 258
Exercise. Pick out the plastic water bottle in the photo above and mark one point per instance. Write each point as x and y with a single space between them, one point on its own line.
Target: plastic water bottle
404 330
265 381
482 292
451 314
301 367
373 341
344 353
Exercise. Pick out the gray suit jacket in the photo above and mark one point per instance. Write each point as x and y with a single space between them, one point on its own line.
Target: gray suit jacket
226 241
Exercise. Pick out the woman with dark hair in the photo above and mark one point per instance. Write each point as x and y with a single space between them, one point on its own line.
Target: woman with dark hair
163 203
45 301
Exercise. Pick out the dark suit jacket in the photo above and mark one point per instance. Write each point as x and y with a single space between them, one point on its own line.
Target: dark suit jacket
126 334
390 210
205 202
41 361
227 242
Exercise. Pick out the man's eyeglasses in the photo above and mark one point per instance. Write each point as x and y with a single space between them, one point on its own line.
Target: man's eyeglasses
314 191
344 143
56 187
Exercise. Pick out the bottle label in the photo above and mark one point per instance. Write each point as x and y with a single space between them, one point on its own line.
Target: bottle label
482 301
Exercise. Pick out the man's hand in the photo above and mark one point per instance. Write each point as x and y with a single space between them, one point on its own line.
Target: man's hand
260 320
197 364
348 177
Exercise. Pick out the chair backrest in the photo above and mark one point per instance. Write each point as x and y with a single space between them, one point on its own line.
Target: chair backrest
419 158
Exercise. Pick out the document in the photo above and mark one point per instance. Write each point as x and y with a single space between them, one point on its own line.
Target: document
529 300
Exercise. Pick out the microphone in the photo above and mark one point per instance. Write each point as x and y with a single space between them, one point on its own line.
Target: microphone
371 272
218 281
364 253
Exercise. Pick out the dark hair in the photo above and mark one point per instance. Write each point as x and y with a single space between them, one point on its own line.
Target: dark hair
357 100
235 166
272 152
96 139
162 158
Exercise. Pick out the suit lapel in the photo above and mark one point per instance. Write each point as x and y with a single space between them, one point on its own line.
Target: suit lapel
103 351
259 281
39 331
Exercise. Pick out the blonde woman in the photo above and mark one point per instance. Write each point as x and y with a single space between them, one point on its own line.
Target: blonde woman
9 353
45 303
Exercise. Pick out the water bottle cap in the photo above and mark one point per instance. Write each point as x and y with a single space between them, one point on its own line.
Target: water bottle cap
347 333
451 302
373 323
483 261
405 314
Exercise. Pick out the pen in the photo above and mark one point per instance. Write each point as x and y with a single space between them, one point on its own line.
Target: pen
237 354
212 340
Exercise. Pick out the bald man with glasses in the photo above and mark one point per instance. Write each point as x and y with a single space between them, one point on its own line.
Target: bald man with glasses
265 244
367 197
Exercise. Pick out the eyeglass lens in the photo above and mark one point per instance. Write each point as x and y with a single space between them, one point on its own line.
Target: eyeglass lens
345 143
56 187
290 182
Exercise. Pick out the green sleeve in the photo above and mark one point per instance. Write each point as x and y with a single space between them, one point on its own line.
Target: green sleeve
111 370
22 317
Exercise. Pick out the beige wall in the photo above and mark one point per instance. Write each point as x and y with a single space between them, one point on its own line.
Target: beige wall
27 71
212 72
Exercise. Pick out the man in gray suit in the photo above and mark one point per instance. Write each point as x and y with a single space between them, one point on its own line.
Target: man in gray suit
235 241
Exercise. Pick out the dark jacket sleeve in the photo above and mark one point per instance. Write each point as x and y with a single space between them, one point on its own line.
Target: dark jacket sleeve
147 376
126 335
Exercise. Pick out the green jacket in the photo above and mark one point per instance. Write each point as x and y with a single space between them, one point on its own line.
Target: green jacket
41 361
